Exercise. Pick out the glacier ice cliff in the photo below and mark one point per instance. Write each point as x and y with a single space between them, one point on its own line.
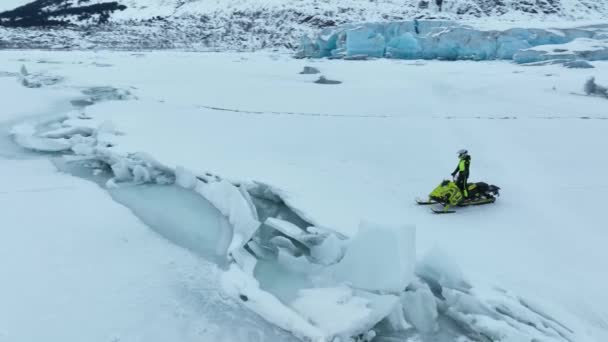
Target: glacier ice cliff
450 40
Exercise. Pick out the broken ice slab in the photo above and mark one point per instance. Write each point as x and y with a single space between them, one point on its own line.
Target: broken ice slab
439 270
298 234
379 258
342 311
420 308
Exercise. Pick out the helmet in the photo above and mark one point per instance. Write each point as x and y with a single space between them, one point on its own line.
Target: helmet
462 153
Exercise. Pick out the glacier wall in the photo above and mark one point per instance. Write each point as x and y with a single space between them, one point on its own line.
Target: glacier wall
449 40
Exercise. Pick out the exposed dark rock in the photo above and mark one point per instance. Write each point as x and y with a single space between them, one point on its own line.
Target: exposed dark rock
323 80
309 71
579 64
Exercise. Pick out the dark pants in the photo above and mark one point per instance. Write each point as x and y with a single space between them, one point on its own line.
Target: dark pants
462 184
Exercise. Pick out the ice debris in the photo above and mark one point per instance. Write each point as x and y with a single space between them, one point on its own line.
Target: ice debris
98 94
36 80
379 258
419 307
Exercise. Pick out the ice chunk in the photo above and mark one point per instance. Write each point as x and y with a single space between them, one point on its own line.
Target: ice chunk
438 267
327 41
98 94
395 321
379 258
107 127
36 80
501 316
285 244
364 41
245 261
111 184
308 48
342 312
329 252
185 178
249 200
298 234
460 43
507 46
229 200
25 136
121 171
295 264
141 174
67 132
263 252
404 46
83 149
420 308
241 286
285 227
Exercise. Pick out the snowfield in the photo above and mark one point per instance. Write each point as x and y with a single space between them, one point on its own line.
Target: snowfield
296 193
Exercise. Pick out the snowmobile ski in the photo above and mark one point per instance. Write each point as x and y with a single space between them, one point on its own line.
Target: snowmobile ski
427 202
442 211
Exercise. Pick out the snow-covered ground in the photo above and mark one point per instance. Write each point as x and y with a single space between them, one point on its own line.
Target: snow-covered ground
339 154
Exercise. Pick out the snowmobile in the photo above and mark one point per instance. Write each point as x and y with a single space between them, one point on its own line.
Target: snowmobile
449 195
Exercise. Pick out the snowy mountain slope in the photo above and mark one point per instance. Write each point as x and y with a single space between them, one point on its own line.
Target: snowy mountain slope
354 10
248 24
58 13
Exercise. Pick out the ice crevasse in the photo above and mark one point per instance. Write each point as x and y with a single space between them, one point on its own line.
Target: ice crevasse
449 40
300 275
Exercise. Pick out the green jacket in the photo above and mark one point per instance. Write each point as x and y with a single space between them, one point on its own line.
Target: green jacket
463 166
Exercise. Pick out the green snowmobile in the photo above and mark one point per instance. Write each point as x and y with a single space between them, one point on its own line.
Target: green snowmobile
449 195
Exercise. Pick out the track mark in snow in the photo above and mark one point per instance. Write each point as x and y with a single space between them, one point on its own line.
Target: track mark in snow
384 116
292 113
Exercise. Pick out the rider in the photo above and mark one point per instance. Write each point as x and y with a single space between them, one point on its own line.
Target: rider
463 171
